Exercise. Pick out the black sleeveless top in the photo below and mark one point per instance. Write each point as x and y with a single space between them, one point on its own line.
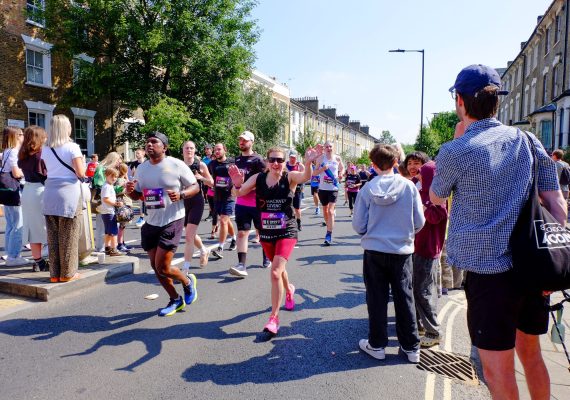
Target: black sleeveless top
275 207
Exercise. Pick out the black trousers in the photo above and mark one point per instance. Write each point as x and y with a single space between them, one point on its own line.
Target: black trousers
382 271
351 199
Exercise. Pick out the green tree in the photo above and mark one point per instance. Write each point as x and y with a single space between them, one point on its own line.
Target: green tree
170 117
427 141
387 138
257 112
409 148
306 139
443 125
364 158
198 52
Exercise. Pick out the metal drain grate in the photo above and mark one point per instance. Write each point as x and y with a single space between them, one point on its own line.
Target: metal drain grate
448 365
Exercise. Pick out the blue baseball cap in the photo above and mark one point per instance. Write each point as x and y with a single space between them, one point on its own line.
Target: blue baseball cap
475 77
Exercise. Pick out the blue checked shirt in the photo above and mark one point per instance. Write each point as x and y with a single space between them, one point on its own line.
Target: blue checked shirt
489 171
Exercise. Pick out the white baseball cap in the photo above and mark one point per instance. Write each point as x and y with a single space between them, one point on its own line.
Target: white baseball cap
247 135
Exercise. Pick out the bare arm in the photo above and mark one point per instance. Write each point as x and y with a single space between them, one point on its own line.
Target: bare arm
438 201
247 187
205 175
79 166
17 172
298 177
555 204
340 167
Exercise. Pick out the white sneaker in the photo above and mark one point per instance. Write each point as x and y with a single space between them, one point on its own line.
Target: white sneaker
18 261
239 270
413 355
140 222
377 353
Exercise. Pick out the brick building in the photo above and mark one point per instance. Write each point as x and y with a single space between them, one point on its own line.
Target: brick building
32 80
538 80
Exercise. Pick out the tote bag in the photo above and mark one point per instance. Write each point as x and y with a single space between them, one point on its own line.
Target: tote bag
9 186
540 244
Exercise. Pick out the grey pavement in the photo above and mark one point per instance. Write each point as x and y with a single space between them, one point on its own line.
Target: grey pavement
106 341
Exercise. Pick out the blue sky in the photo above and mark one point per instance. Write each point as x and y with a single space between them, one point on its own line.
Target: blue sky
338 50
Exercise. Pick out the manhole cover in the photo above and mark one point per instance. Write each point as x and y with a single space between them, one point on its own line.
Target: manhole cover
448 365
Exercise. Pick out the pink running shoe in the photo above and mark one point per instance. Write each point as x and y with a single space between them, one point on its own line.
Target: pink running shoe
289 300
272 326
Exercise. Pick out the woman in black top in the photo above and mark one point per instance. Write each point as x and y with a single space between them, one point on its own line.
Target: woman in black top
34 170
274 197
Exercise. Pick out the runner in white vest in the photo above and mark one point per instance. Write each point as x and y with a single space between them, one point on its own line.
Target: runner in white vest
330 168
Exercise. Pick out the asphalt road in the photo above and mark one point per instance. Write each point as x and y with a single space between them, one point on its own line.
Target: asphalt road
108 342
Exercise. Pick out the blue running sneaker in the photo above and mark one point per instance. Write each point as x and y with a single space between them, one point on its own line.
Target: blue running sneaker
173 306
328 239
190 292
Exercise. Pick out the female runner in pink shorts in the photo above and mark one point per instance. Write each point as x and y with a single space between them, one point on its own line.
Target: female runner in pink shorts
278 234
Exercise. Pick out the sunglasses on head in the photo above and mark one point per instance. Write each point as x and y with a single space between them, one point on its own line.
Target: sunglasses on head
279 160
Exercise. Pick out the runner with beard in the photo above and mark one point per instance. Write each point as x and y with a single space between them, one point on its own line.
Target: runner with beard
163 182
250 163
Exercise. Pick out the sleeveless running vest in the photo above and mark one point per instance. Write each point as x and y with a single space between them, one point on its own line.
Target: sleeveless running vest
275 205
326 182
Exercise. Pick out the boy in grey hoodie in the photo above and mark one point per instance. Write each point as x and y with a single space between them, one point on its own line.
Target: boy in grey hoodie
388 213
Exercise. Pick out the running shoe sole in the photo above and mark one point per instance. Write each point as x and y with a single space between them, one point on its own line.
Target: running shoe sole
180 307
379 354
236 272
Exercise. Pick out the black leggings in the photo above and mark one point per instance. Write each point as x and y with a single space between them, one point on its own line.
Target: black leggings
213 211
351 199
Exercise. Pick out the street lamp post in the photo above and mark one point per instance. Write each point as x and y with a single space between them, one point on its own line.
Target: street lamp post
422 105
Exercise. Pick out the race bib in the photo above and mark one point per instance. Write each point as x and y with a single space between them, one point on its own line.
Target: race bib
273 220
350 184
315 179
223 182
328 179
154 198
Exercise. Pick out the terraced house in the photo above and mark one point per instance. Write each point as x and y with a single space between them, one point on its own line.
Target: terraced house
32 81
538 80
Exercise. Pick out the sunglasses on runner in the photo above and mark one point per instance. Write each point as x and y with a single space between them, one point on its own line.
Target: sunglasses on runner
279 160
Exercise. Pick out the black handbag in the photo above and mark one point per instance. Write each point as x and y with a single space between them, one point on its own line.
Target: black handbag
540 245
9 186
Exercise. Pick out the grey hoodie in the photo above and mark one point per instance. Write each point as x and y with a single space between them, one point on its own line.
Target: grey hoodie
388 213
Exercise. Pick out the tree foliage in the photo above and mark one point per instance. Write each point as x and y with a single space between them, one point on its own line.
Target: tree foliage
256 111
195 51
364 158
307 139
387 138
440 130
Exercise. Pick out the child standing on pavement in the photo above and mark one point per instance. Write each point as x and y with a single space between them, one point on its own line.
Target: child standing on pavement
388 213
428 245
107 211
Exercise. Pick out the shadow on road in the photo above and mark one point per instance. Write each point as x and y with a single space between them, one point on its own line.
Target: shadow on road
48 328
327 347
153 338
327 259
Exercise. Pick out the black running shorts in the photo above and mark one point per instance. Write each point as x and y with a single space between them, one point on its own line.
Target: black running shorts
496 308
166 237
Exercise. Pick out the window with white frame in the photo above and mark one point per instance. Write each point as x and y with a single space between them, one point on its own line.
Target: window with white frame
80 133
37 118
33 8
34 66
39 113
38 62
519 74
535 57
84 129
546 41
